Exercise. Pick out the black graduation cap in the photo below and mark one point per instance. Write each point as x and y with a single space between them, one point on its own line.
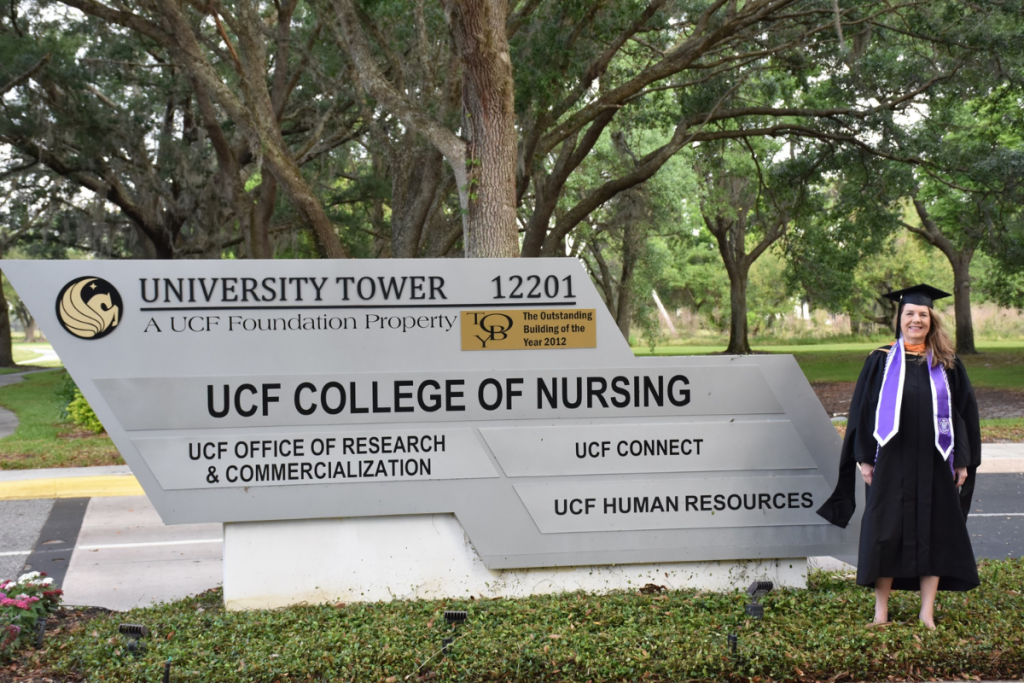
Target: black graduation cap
919 295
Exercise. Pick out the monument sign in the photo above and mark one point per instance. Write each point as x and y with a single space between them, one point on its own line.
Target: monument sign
500 391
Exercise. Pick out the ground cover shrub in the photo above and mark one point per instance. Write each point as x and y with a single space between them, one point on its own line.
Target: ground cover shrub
23 602
81 413
66 391
676 635
73 407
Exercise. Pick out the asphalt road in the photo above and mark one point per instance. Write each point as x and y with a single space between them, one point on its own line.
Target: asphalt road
996 526
997 536
21 521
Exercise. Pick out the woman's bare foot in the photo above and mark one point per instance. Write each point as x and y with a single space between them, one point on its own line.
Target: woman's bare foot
929 587
882 587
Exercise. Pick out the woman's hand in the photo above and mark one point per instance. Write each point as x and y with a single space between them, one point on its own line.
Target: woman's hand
961 475
867 470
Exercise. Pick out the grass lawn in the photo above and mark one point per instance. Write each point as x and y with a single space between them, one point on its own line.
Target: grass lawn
680 635
41 440
27 352
1003 431
24 352
999 365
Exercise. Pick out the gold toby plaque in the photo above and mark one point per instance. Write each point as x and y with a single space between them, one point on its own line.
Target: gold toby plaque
543 328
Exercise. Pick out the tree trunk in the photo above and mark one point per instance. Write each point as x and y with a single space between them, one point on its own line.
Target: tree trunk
6 349
416 177
279 161
624 312
632 244
479 34
259 230
255 115
731 235
738 342
960 260
229 172
31 331
962 302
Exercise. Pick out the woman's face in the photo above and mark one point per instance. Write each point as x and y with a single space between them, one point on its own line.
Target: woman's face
915 322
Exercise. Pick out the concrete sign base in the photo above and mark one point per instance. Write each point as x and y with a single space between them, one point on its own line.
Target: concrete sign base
275 564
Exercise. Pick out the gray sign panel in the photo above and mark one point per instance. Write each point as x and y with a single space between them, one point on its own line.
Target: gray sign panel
260 390
633 448
637 504
299 456
398 398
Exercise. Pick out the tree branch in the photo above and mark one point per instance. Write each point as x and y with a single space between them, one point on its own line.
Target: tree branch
350 34
18 80
702 39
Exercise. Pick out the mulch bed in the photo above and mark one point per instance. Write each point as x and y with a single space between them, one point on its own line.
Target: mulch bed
25 667
78 433
992 403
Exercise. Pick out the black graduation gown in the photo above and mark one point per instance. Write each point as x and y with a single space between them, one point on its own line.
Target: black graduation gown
915 520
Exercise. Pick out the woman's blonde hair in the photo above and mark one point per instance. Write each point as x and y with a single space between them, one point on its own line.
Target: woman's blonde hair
942 347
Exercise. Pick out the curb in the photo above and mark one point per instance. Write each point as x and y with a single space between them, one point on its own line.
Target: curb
1002 458
71 487
69 482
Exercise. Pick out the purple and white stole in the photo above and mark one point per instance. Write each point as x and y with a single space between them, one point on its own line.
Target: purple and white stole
890 401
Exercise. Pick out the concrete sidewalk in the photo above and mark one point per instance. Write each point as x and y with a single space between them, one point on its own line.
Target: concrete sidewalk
127 557
1001 457
108 547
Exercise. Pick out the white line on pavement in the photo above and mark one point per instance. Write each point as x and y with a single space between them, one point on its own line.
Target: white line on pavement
145 545
110 546
123 545
996 514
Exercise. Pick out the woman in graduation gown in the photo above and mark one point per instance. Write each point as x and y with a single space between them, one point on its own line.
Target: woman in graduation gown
913 432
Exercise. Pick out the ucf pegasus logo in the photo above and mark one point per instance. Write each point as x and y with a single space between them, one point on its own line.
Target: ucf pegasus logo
89 307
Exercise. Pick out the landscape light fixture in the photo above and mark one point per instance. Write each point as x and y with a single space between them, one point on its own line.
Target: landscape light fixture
40 632
733 644
454 619
134 632
758 590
